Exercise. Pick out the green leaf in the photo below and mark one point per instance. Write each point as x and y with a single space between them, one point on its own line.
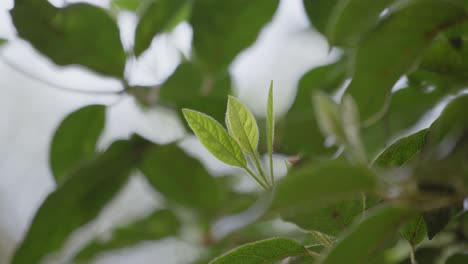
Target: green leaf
215 138
267 251
156 18
77 34
298 133
3 41
79 200
415 230
270 127
402 150
319 12
131 5
316 185
351 126
181 178
241 125
351 19
75 139
393 48
437 220
368 237
328 117
329 220
221 29
160 224
457 259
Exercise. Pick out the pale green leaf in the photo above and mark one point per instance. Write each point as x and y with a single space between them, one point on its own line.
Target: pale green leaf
328 116
352 127
242 125
267 251
215 138
270 129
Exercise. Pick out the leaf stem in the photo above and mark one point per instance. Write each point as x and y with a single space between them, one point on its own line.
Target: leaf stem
256 178
412 256
272 177
322 238
259 166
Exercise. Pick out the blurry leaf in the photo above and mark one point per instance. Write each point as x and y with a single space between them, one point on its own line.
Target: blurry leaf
402 150
351 126
328 116
181 178
415 230
457 259
268 251
329 220
221 29
351 19
437 220
160 224
188 88
156 18
79 200
131 5
319 12
241 125
299 132
75 139
3 41
393 48
77 34
315 185
215 138
270 130
425 256
368 237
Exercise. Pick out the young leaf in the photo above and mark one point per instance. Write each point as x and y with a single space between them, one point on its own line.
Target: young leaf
76 34
415 230
368 237
270 130
267 251
79 199
75 139
160 224
352 127
215 138
241 125
328 116
393 47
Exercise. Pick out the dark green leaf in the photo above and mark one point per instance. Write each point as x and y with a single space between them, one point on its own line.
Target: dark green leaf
77 34
351 19
369 237
402 150
160 224
425 256
315 185
181 178
457 259
221 29
268 251
299 132
329 220
319 12
186 88
415 230
75 139
79 200
393 48
156 18
437 220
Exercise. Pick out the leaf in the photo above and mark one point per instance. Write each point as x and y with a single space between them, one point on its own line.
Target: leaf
160 224
402 150
181 178
156 18
131 5
316 185
319 12
270 127
351 19
328 117
77 34
351 126
368 237
215 138
75 139
79 199
3 41
437 220
415 230
221 29
329 220
241 125
298 133
267 251
393 48
189 88
457 259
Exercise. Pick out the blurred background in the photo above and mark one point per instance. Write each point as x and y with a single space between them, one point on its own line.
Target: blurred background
35 96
